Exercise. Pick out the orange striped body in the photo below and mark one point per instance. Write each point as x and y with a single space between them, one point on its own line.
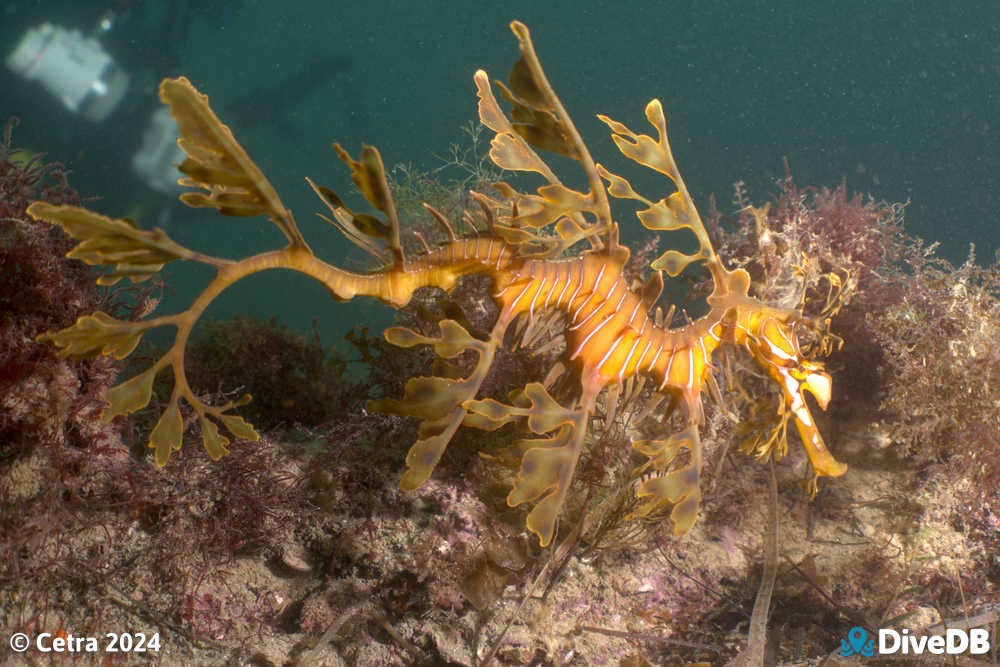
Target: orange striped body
610 332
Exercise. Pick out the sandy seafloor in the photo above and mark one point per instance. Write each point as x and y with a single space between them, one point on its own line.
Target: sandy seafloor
870 538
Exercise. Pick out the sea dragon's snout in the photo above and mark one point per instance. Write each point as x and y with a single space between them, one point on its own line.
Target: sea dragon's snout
782 359
794 382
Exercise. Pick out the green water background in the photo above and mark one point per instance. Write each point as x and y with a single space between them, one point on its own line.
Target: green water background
899 98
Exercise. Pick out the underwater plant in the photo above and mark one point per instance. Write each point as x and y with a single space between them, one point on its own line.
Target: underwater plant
44 399
295 380
941 398
615 338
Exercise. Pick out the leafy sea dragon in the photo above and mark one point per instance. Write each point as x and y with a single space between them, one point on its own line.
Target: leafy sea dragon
526 249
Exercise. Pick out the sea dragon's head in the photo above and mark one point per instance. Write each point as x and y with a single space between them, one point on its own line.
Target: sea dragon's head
774 344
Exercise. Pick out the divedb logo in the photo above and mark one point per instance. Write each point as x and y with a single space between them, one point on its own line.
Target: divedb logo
953 642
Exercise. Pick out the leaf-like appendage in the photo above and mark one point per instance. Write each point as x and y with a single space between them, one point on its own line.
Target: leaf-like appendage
508 150
101 333
351 225
514 154
552 203
368 174
135 253
666 214
649 152
517 236
652 288
494 412
425 453
437 401
239 427
541 412
673 262
546 472
429 398
454 339
98 334
218 164
129 396
548 464
529 87
538 121
166 435
662 452
542 130
233 185
676 211
680 487
617 185
215 443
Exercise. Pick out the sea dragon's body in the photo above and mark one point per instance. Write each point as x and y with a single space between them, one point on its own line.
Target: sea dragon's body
611 332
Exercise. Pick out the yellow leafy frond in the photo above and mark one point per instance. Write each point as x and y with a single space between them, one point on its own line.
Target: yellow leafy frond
215 443
166 435
129 396
454 339
676 211
679 487
427 398
539 121
438 401
368 174
425 453
218 164
98 334
541 412
548 464
673 262
134 252
547 470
